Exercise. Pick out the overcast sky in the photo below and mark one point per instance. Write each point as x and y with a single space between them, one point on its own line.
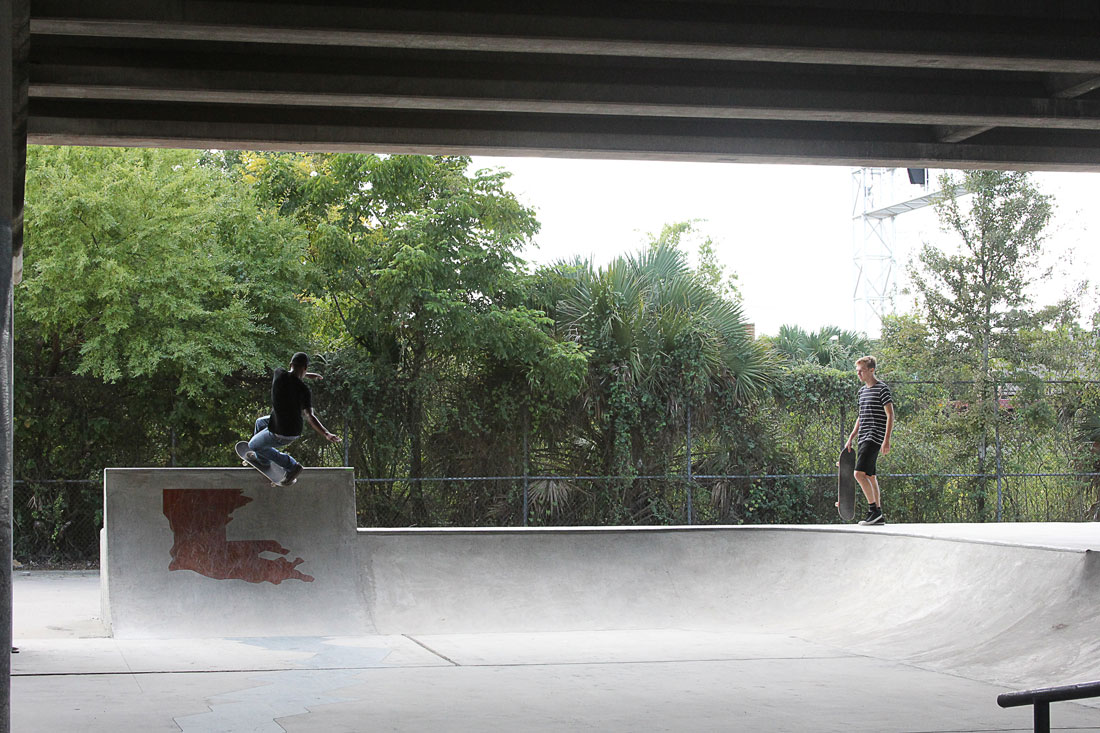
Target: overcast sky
786 231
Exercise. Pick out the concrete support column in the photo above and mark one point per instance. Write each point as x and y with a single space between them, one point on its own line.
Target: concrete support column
14 43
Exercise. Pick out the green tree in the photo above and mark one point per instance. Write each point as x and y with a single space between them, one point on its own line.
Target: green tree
973 292
155 296
423 295
975 307
146 264
660 342
710 272
829 346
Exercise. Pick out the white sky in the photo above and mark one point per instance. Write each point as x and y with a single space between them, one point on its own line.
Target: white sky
786 231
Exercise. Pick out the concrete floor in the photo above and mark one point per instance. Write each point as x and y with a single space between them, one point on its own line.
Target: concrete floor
70 677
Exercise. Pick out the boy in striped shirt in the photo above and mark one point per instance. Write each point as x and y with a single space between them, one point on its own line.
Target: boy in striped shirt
873 427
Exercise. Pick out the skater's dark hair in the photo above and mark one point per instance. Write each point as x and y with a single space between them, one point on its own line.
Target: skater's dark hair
300 359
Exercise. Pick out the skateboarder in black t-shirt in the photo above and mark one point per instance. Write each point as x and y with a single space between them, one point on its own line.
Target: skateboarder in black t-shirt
291 407
873 428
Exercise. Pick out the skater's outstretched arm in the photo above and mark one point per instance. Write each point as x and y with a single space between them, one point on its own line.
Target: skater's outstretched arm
316 425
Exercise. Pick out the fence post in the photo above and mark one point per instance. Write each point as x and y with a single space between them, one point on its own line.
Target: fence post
997 447
1041 717
843 426
172 459
346 441
690 480
525 471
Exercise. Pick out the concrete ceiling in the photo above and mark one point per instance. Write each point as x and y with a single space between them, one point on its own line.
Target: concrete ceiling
978 83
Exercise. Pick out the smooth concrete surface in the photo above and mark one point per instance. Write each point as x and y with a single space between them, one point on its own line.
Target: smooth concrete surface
192 553
901 628
221 552
630 680
1018 613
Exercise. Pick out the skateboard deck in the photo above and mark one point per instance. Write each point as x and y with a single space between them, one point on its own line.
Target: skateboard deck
846 484
275 474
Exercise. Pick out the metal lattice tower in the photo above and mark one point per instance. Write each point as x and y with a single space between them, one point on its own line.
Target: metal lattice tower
874 211
873 241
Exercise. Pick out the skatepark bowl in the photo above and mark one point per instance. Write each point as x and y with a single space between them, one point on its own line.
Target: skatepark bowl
224 604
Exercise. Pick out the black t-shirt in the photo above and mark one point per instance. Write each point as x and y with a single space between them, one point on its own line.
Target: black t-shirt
289 396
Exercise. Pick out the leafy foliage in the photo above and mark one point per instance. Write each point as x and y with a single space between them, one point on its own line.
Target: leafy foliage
154 290
162 287
974 298
423 300
828 347
663 347
146 265
975 308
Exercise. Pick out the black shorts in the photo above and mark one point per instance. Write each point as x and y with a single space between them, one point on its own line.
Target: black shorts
867 457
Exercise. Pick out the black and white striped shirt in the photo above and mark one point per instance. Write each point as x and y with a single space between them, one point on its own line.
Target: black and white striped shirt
872 412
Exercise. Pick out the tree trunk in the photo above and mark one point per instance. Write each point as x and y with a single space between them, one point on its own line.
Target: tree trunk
416 458
416 452
983 398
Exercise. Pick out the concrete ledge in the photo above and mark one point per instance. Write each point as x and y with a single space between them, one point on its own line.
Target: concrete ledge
220 552
1058 536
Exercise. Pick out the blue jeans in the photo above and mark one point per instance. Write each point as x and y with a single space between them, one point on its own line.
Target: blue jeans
267 444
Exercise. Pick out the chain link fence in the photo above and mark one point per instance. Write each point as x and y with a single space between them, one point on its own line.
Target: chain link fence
950 462
1015 456
56 522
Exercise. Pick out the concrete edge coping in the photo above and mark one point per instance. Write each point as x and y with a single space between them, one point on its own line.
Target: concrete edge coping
907 531
209 469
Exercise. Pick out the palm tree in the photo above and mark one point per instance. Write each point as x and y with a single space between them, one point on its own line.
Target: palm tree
646 310
660 342
828 347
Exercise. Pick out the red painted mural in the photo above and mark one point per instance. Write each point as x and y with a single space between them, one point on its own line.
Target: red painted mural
198 518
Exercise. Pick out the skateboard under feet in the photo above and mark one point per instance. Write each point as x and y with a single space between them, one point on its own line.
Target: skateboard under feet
275 474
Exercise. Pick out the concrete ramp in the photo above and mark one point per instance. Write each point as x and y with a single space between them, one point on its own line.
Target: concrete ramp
220 552
987 602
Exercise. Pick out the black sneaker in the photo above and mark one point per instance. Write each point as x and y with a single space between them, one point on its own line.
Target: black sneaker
874 516
869 517
291 475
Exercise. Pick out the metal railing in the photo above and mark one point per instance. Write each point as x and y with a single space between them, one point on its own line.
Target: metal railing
1042 698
